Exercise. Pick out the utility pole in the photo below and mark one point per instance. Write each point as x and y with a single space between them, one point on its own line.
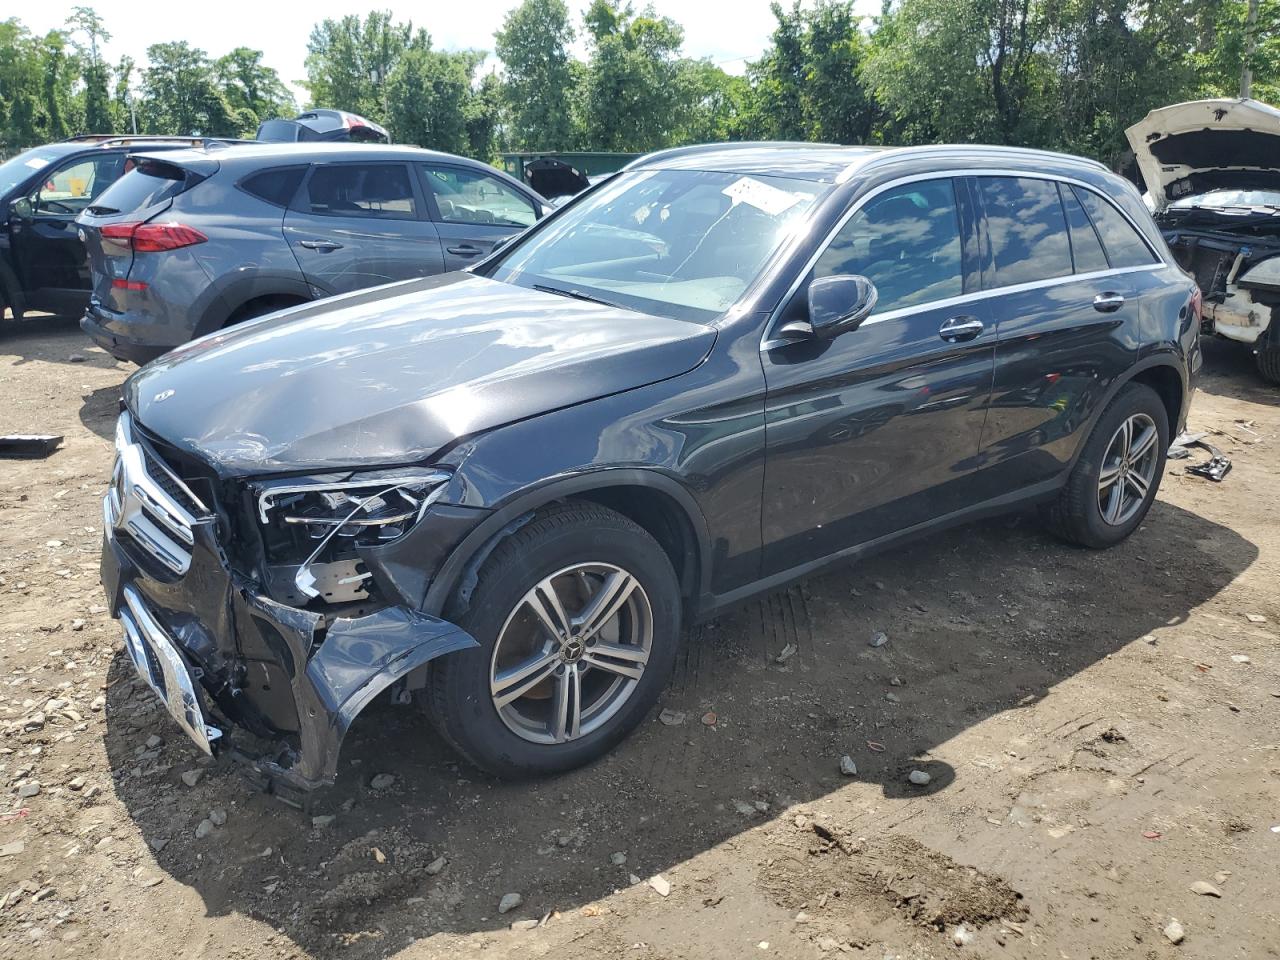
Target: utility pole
1250 45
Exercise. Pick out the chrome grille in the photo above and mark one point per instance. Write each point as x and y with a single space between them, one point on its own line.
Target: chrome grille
149 504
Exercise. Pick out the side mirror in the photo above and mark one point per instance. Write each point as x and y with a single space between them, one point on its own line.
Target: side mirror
22 208
502 242
839 303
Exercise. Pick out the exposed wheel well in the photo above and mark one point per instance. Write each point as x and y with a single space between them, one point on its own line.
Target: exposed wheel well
264 304
1167 384
665 521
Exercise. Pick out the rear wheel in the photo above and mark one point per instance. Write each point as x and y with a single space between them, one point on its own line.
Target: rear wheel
1268 359
1116 478
578 617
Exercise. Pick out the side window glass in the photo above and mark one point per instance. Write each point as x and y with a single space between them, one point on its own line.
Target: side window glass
906 240
1027 229
1124 246
465 196
276 186
70 189
1086 248
362 190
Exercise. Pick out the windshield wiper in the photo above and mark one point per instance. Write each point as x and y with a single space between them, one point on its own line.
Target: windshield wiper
578 295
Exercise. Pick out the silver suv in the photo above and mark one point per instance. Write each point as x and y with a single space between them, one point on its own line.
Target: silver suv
189 242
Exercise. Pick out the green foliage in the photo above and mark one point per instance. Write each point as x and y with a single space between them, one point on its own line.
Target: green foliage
253 90
1061 74
533 45
350 61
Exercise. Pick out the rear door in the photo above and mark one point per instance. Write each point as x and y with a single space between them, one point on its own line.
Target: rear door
356 225
473 210
877 430
1067 307
47 247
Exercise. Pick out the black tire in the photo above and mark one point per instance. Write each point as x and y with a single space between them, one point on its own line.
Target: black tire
1268 359
1076 515
457 697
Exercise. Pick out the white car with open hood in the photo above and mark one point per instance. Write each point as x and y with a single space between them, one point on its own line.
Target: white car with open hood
1212 172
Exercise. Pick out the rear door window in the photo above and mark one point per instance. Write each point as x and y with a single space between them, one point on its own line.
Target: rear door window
468 196
1086 248
906 240
1027 229
276 186
1124 245
376 190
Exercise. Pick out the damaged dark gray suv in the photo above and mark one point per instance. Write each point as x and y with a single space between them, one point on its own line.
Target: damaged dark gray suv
500 493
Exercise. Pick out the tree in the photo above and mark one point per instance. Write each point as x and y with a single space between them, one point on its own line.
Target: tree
253 88
962 70
350 62
181 95
87 33
631 86
533 45
808 83
122 103
427 98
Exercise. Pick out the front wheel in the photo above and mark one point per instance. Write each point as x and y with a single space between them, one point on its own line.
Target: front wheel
1116 478
578 617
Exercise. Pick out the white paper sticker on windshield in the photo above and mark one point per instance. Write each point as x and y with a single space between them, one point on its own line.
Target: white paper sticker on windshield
760 195
36 163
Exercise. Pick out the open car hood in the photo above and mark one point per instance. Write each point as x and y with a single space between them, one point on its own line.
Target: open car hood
1191 148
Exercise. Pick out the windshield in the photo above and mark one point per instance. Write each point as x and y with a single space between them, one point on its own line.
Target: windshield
1230 198
678 243
17 169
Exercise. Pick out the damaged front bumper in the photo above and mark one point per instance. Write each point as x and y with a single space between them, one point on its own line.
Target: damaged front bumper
227 659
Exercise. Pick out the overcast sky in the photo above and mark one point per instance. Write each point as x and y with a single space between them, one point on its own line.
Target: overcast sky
726 31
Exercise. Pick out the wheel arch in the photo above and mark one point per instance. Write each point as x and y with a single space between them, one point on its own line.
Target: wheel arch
230 300
657 502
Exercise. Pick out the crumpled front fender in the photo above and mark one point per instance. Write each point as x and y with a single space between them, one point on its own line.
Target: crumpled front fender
358 658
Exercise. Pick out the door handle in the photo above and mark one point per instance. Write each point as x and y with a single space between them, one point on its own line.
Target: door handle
1108 302
465 250
324 246
960 328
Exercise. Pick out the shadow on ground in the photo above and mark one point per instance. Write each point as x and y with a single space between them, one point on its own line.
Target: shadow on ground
981 621
1230 371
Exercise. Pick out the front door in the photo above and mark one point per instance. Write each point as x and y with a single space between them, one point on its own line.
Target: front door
47 247
473 211
357 225
877 430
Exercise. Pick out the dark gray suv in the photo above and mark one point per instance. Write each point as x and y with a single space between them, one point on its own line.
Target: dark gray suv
191 241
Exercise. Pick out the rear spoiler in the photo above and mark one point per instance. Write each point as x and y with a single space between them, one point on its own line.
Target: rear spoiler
176 165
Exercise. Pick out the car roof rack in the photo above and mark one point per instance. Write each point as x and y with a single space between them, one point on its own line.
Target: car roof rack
147 139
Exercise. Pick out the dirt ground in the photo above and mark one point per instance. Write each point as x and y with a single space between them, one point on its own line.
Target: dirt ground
1102 731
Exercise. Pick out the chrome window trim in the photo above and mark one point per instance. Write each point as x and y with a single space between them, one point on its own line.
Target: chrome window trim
768 343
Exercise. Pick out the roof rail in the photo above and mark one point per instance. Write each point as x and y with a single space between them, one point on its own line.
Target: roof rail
128 140
698 148
984 149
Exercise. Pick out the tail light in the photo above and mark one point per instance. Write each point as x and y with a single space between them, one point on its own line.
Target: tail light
151 237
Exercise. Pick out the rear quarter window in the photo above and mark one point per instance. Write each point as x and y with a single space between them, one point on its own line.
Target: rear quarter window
1124 245
276 186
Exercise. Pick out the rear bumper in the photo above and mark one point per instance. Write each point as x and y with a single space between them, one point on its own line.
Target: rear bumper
120 347
235 668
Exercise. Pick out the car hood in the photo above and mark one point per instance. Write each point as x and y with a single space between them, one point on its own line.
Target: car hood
1191 148
391 375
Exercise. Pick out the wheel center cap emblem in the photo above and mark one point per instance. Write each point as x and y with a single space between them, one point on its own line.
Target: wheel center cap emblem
572 650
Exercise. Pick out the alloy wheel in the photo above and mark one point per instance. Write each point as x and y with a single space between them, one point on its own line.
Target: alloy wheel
1128 469
571 653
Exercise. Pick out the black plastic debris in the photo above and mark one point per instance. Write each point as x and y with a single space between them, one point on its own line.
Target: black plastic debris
1215 468
28 447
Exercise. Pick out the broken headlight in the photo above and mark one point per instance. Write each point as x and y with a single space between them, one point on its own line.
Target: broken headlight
312 529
